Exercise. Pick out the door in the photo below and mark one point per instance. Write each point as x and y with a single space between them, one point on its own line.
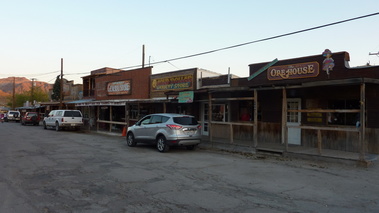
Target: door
294 120
204 119
142 128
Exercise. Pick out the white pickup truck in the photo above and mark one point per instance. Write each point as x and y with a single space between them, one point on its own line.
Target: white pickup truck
64 119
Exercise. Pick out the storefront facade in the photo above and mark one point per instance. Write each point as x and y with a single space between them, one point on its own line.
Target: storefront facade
107 92
117 98
317 102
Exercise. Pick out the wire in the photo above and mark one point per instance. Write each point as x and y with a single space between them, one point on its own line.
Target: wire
256 41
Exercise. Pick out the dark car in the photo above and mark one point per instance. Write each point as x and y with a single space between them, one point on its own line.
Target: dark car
165 130
30 118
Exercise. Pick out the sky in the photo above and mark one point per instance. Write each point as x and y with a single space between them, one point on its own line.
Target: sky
92 34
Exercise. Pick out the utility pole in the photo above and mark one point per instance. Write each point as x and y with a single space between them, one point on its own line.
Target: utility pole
14 93
32 95
61 93
143 56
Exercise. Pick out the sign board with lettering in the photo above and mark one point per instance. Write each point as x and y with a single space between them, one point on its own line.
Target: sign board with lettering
186 97
119 87
181 82
294 71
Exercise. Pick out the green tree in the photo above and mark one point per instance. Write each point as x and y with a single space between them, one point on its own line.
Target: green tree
38 95
56 89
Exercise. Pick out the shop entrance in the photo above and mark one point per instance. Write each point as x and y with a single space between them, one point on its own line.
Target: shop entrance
204 119
294 120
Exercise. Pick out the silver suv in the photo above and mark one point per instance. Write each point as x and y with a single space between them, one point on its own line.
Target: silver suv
165 130
60 119
13 116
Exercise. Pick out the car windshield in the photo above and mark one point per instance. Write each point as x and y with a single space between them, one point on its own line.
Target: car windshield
185 120
13 113
72 114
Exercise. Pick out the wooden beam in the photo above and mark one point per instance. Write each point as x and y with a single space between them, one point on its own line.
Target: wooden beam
210 118
255 128
343 129
231 133
233 99
110 118
362 121
284 119
326 110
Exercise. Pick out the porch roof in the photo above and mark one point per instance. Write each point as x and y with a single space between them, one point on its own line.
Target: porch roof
121 102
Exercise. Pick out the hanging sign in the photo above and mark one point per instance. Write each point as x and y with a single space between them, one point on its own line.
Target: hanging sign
186 97
293 71
119 87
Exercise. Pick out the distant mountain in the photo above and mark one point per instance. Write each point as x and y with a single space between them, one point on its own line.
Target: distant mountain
21 84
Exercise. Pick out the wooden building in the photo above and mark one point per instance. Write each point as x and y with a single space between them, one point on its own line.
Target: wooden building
316 102
117 98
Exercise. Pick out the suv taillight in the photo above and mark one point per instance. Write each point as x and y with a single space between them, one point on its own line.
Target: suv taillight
173 126
62 120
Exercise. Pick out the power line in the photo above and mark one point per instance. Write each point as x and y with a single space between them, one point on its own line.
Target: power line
260 40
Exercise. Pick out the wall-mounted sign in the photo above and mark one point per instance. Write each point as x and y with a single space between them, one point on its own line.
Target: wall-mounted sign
293 71
172 83
186 97
119 87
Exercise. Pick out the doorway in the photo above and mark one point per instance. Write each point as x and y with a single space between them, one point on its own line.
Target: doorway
205 119
293 121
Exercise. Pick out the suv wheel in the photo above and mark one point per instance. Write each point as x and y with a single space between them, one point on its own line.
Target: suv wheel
161 144
130 140
57 126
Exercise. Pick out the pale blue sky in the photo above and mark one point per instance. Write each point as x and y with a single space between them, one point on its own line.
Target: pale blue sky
91 34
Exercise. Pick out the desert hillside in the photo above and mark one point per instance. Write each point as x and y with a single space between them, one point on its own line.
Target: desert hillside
21 84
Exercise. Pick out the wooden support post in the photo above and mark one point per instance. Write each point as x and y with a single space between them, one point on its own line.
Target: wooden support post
319 141
284 119
255 127
127 116
363 145
138 111
97 117
110 118
210 117
231 133
89 118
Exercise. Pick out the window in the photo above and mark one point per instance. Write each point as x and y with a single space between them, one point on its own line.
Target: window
343 118
156 119
72 114
185 120
220 112
145 120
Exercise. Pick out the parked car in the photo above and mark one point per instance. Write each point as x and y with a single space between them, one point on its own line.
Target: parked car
165 130
12 116
30 118
2 116
63 119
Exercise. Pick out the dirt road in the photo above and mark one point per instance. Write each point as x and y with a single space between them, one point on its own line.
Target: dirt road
67 171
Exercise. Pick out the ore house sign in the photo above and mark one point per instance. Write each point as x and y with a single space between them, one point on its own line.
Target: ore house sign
293 71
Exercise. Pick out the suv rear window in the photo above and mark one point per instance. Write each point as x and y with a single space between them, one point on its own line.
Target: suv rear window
185 120
72 114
